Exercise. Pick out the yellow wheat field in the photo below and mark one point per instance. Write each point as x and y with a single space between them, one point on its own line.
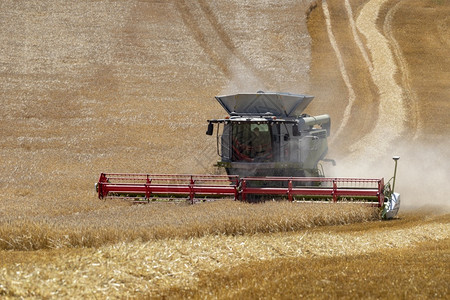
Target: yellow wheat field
127 86
205 266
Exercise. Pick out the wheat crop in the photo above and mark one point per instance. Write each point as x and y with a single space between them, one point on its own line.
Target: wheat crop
225 266
168 220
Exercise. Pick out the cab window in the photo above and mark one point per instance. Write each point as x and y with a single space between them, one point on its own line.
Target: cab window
251 142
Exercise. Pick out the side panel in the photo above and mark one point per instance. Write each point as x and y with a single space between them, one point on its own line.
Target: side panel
225 141
313 148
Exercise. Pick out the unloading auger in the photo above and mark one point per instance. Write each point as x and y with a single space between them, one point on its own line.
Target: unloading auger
269 150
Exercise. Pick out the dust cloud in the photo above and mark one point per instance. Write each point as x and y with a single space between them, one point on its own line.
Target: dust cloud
423 177
243 80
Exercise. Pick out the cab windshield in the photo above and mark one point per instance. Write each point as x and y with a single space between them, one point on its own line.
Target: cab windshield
251 142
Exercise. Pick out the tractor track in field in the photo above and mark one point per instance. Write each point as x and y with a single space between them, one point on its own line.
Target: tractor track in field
411 99
391 113
343 70
216 42
228 42
356 37
442 28
196 23
381 64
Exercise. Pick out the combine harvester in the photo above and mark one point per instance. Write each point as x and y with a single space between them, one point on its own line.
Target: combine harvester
268 152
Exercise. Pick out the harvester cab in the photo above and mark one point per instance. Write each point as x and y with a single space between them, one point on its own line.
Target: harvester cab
266 134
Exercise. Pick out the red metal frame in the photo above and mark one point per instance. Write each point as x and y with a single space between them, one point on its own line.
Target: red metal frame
334 188
151 185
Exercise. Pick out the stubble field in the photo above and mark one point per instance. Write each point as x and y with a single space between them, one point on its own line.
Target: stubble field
107 86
